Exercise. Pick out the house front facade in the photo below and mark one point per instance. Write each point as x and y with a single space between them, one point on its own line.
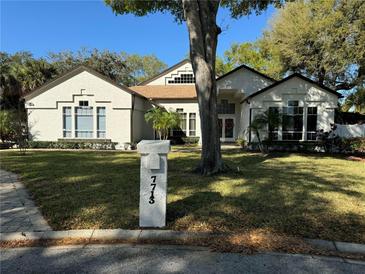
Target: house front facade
83 104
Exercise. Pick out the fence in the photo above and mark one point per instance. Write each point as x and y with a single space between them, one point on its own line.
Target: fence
350 131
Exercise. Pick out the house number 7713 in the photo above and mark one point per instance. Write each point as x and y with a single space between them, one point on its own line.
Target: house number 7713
153 184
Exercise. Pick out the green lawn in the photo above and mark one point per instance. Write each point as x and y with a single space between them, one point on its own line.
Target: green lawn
312 196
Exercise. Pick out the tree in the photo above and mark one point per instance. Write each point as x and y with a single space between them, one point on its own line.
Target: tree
222 66
21 73
200 18
162 121
124 68
323 39
13 127
141 68
266 120
6 129
256 56
355 101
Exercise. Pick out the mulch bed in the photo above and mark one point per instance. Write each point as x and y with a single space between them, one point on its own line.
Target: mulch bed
354 158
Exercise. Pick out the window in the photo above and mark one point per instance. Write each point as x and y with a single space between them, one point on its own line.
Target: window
293 121
226 108
183 122
273 129
192 124
181 130
83 122
66 112
100 119
311 123
185 78
83 103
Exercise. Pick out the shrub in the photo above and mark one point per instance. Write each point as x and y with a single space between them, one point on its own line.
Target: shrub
353 144
190 140
74 144
241 142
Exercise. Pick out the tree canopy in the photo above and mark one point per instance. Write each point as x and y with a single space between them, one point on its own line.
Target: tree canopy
254 55
323 39
128 69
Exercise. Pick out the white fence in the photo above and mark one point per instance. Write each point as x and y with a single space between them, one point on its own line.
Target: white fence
350 131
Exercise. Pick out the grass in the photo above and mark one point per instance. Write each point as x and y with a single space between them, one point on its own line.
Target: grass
313 196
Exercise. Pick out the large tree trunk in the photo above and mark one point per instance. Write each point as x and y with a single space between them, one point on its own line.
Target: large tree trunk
200 17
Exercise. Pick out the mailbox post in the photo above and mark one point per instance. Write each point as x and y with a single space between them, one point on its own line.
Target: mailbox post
153 184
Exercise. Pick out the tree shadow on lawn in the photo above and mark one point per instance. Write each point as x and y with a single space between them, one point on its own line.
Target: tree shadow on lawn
101 190
290 198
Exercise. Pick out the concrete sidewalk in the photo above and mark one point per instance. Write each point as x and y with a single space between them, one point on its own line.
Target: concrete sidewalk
18 212
163 259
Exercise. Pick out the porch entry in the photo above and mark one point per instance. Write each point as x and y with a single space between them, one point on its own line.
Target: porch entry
226 125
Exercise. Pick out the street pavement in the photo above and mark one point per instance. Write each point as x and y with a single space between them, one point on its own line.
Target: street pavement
163 259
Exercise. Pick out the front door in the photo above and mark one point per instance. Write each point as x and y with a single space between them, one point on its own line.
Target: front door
226 128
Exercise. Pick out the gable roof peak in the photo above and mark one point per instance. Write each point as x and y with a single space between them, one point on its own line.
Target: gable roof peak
73 72
164 72
295 74
248 68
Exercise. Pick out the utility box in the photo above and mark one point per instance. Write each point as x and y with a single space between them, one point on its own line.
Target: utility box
153 182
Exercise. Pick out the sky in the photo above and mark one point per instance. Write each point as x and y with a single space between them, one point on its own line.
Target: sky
51 26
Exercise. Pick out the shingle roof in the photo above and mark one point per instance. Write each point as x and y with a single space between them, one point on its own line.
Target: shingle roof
166 92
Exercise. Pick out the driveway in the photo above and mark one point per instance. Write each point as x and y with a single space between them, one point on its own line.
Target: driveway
18 212
163 259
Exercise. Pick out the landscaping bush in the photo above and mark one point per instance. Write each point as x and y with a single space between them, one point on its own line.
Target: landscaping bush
353 145
190 140
74 144
241 142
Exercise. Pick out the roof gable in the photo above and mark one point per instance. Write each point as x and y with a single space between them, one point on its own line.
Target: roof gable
248 68
68 75
288 78
165 72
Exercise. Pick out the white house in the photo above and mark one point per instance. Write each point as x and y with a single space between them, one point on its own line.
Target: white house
86 105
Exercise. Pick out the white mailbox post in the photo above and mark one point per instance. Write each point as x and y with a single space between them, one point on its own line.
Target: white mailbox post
153 185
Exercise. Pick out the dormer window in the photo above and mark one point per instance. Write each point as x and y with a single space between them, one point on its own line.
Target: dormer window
185 78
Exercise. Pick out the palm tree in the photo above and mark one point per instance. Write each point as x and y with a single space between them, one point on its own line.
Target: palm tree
355 101
267 119
162 120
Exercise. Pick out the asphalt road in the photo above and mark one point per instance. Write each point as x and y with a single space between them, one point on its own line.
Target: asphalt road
162 259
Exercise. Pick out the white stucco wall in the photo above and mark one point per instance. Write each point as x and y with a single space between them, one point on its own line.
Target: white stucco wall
244 81
141 129
308 95
45 110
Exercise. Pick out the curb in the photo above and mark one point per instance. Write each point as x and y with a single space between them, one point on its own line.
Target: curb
105 234
337 246
153 234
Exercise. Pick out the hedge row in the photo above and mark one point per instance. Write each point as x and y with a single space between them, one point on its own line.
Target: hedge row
102 145
190 140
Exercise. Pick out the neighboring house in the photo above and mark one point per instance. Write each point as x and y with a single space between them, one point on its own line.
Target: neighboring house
84 104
